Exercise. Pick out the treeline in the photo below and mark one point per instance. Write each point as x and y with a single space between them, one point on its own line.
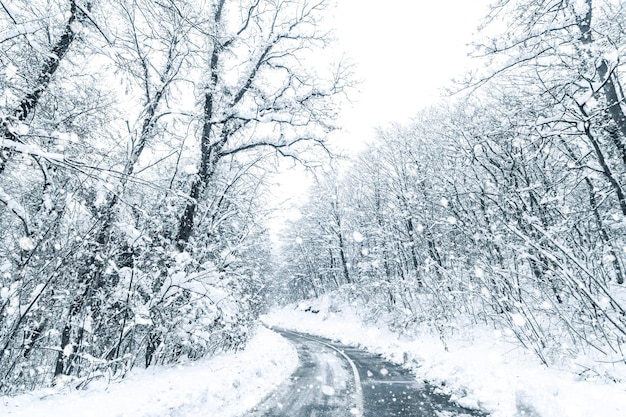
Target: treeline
504 206
136 138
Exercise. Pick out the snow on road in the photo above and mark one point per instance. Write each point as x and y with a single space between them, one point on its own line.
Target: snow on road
479 367
323 385
226 386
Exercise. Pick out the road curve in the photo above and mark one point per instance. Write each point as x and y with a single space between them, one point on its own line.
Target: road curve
334 380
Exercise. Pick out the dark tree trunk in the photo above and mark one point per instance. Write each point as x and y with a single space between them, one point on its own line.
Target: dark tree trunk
48 69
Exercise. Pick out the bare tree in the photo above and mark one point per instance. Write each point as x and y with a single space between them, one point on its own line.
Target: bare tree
259 93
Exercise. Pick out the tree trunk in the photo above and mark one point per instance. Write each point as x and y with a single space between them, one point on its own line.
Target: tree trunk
48 69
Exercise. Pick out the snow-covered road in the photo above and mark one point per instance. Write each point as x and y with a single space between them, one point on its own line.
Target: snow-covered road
335 380
324 384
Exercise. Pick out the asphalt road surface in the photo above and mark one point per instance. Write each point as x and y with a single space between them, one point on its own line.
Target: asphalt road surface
333 380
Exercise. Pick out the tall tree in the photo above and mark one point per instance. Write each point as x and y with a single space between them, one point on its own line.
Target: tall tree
259 93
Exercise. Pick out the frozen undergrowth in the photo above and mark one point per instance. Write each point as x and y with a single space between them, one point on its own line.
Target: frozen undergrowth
481 368
226 385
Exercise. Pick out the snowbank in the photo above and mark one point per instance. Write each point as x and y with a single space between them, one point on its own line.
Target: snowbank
479 367
227 385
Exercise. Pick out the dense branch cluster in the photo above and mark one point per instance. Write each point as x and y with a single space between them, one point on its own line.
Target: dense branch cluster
136 138
505 206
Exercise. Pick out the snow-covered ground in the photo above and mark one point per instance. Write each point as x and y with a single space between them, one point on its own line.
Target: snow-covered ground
227 385
481 368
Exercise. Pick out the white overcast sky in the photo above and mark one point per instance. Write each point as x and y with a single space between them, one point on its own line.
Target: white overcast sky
405 51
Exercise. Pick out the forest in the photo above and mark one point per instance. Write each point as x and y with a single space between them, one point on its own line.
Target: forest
138 142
